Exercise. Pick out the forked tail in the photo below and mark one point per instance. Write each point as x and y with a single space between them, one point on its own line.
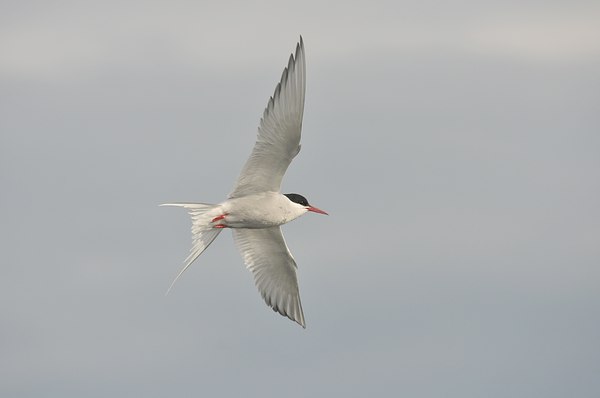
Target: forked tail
202 232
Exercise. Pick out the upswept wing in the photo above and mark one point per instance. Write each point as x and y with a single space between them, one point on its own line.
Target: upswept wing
278 140
268 258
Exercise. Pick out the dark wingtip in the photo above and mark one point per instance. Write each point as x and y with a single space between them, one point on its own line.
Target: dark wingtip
300 46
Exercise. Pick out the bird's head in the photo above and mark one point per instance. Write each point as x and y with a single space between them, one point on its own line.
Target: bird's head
301 200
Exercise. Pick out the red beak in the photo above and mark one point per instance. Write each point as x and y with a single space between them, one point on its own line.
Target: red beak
314 209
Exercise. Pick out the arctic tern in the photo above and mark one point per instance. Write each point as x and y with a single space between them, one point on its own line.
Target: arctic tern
256 208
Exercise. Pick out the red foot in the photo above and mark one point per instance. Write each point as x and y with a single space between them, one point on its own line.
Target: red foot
222 216
220 226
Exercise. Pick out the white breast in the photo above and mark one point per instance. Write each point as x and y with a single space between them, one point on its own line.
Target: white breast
263 210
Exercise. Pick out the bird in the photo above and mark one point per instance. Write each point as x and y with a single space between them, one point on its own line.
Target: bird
256 208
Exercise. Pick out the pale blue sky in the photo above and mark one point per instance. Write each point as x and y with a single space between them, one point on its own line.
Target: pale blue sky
456 148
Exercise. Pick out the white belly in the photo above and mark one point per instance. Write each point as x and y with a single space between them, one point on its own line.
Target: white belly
262 210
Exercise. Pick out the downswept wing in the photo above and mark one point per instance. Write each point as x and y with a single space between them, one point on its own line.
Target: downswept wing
268 258
278 140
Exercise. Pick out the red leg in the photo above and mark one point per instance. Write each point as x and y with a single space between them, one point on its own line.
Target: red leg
222 216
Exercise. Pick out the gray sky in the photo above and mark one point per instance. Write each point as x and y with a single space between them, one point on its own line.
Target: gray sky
455 146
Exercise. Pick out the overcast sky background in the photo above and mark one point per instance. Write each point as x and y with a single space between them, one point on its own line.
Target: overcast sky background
456 146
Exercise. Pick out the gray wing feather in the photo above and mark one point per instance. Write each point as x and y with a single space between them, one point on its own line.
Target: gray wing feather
268 258
278 140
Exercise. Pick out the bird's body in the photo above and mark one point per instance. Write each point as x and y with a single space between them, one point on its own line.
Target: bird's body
256 207
259 210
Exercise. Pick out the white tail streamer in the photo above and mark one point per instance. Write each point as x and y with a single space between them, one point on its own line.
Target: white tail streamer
202 232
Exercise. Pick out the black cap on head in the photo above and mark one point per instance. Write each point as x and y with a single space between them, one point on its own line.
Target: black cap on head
296 198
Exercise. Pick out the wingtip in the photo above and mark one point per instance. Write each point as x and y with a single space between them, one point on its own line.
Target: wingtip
299 321
300 47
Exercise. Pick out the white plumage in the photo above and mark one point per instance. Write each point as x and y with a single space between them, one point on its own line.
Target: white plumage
255 208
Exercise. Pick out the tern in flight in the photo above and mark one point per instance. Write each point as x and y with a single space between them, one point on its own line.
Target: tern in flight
256 207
